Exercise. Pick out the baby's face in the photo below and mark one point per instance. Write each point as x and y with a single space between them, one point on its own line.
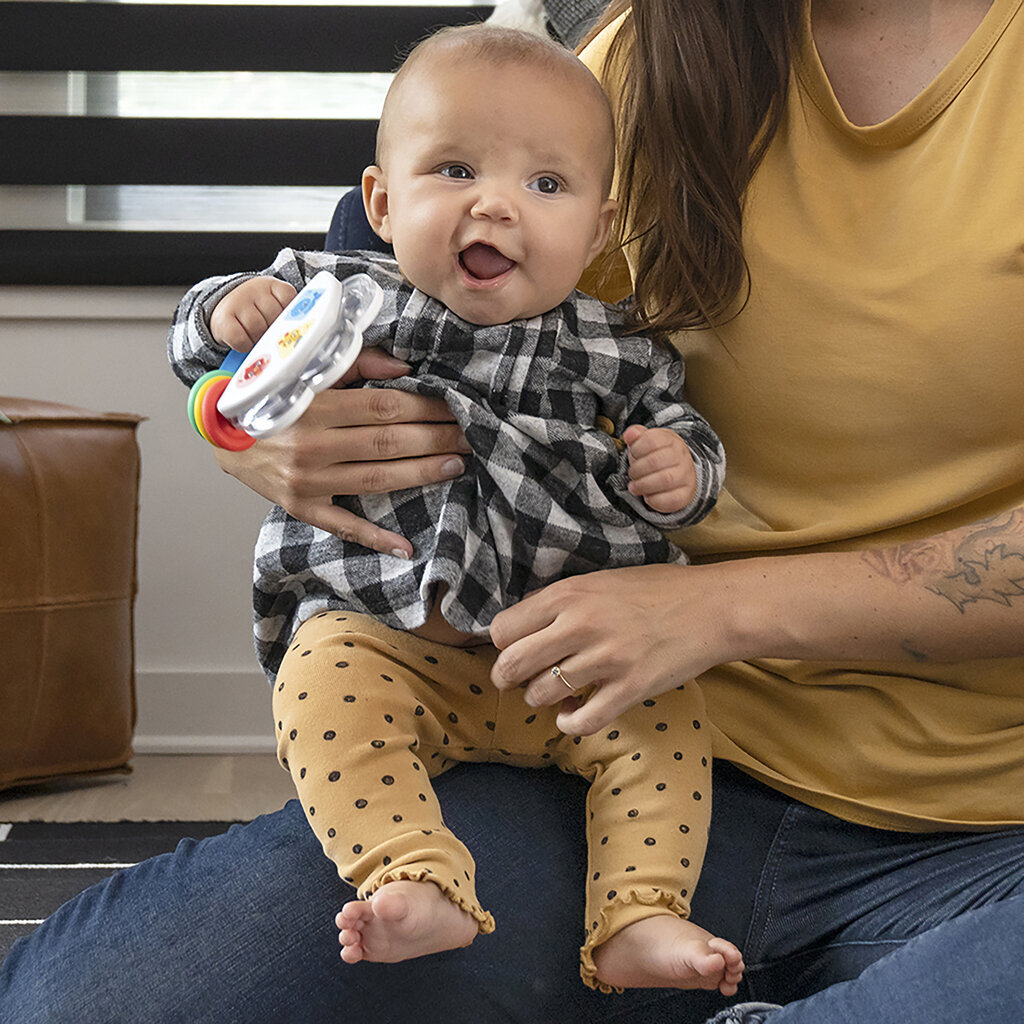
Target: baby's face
495 188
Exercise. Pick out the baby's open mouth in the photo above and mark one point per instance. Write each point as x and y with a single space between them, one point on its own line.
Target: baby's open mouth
484 261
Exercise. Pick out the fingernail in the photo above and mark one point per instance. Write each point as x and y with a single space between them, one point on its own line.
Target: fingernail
452 467
401 553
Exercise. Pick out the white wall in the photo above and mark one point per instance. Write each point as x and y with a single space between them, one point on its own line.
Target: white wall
199 686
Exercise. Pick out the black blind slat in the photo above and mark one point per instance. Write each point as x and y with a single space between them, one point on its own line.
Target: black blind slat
68 150
139 257
183 37
174 151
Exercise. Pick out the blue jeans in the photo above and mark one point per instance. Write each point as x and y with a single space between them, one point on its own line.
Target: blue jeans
841 922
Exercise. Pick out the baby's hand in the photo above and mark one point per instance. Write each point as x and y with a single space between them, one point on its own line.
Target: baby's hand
661 469
240 319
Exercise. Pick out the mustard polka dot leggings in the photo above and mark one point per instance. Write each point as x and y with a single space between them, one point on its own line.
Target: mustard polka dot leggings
367 716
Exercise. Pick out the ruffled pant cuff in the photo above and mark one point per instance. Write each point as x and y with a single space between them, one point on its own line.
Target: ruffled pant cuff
484 920
625 909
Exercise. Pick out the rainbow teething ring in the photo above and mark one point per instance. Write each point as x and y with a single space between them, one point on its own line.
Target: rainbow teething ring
222 432
202 411
195 397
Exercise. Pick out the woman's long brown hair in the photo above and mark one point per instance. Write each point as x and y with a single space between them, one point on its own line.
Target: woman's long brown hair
703 85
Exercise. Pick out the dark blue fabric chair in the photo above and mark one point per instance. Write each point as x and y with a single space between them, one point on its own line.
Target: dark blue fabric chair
350 229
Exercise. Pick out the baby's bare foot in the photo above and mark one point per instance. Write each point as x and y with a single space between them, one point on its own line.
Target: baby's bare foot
669 952
402 920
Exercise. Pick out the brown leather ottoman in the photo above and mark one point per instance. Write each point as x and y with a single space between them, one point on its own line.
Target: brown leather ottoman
68 515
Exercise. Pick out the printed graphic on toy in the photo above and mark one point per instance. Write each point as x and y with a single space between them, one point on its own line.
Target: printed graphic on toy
262 392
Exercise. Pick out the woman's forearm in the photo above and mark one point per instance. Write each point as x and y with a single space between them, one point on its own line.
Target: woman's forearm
955 596
624 635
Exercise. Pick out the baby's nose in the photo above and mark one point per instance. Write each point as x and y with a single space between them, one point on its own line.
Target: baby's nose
496 203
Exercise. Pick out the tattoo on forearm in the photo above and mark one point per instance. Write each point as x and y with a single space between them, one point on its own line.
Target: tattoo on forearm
982 562
917 655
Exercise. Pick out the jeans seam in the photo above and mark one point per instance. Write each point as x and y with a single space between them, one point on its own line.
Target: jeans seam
815 950
753 970
763 897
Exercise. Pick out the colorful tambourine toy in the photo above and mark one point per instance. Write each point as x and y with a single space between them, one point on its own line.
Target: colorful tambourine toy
305 350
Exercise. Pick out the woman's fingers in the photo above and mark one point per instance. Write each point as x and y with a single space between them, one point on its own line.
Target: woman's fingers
369 441
355 441
589 697
617 637
375 364
351 528
348 407
527 645
564 681
600 708
397 473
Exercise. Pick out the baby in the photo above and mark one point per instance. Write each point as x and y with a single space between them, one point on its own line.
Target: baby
492 177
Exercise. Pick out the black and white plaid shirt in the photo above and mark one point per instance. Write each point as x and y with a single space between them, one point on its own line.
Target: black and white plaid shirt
544 495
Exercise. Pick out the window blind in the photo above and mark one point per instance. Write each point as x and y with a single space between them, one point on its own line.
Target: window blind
159 143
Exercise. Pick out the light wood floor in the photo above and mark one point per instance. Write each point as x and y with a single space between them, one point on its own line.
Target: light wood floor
161 787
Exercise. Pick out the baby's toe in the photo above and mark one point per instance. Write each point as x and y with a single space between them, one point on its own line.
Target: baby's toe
354 914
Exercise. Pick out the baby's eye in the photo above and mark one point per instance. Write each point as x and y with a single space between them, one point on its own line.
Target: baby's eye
546 184
456 171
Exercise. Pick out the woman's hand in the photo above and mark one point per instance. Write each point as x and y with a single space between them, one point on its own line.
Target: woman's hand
618 636
358 441
622 635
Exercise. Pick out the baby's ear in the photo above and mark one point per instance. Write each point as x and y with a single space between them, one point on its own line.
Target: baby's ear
375 201
605 219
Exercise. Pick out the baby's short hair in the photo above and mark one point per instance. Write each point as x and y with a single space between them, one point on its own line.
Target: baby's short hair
497 45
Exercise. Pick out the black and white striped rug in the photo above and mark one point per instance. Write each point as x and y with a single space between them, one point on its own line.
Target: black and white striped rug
43 864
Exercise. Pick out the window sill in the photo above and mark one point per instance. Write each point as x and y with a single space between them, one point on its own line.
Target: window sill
46 302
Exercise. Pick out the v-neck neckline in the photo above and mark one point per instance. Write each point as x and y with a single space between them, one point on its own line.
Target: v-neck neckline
923 108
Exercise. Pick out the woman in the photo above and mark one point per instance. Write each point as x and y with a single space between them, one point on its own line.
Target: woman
856 616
